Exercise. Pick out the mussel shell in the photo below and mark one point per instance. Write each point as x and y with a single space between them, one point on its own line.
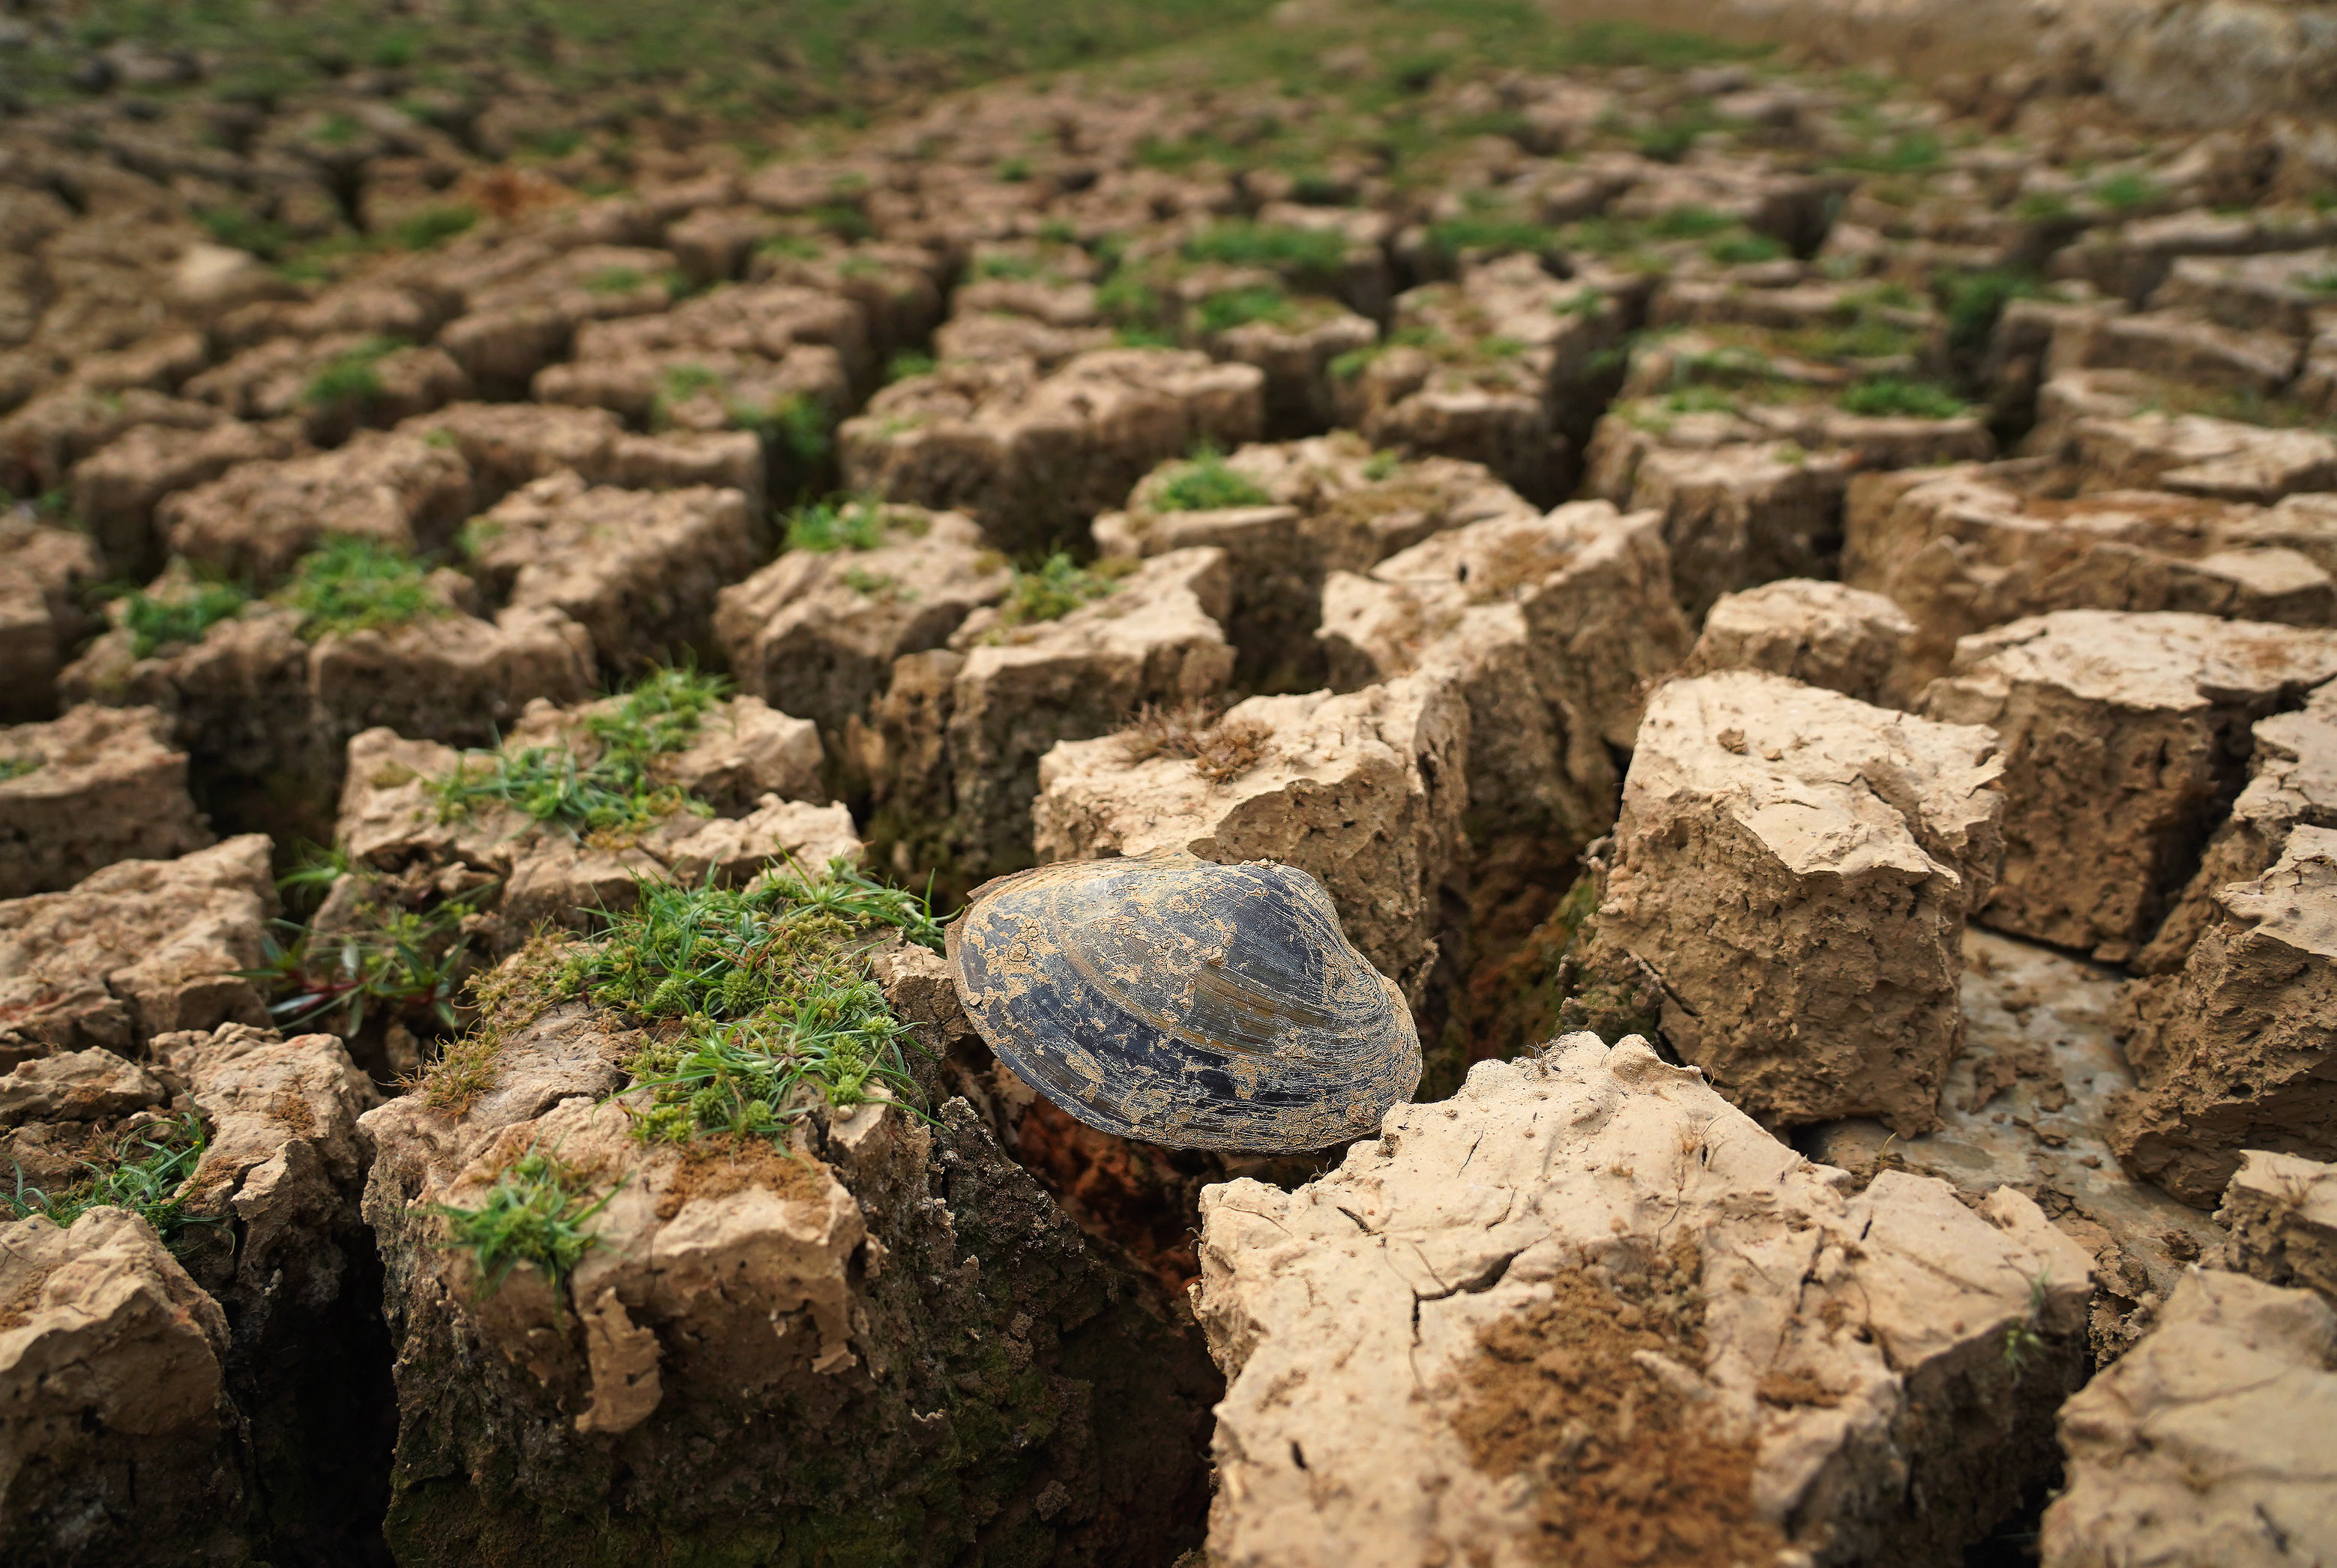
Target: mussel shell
1174 1000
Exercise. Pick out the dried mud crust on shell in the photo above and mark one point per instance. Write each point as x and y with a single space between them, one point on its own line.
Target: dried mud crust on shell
1172 1000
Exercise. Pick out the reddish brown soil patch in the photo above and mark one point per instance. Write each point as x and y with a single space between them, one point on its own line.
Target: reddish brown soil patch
1626 1471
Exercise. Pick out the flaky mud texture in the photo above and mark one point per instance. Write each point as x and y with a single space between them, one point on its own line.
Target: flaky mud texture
1625 1470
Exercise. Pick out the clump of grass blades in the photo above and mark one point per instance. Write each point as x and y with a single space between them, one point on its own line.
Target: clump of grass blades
1240 307
18 767
1206 483
1052 592
615 791
1311 255
1890 396
534 1215
827 527
407 959
144 1173
760 999
356 584
350 378
156 622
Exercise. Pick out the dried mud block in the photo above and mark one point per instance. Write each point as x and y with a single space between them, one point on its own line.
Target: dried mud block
41 442
1793 869
2179 347
1501 368
638 571
140 948
1033 458
2103 424
1321 505
332 385
506 445
1738 1361
957 738
516 325
1740 516
817 631
118 1441
1550 626
2282 1212
895 286
756 771
939 1315
2269 293
2239 1049
279 1242
1365 792
1819 633
116 489
2213 1444
2027 1104
649 368
1967 551
255 520
2124 735
992 337
2291 783
1297 349
41 571
97 785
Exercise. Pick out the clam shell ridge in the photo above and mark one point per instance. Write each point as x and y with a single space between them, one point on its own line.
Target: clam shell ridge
1181 1002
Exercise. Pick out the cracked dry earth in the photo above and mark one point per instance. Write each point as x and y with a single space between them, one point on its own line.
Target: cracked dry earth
1792 611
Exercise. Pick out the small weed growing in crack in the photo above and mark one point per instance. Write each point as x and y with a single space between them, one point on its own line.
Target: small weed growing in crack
827 526
1053 591
2022 1340
144 1173
404 958
1889 395
1207 482
759 1001
534 1214
350 379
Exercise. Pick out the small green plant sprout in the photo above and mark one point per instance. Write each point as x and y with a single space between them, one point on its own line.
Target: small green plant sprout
760 1000
1451 237
1738 249
907 363
1052 592
2127 191
1690 223
144 1172
616 280
1206 482
431 227
1014 171
1383 465
1890 396
827 526
611 789
881 585
177 615
535 1216
18 767
405 957
2025 1339
1240 307
351 378
795 422
356 583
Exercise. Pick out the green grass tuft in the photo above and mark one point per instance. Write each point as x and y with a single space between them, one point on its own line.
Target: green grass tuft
1312 257
431 227
1890 396
907 363
1451 236
534 1217
404 961
156 623
350 378
355 584
825 526
761 998
615 789
1737 249
18 767
144 1172
1206 483
1052 592
1240 307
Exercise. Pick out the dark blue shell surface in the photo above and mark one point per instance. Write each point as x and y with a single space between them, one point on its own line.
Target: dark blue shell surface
1181 1002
